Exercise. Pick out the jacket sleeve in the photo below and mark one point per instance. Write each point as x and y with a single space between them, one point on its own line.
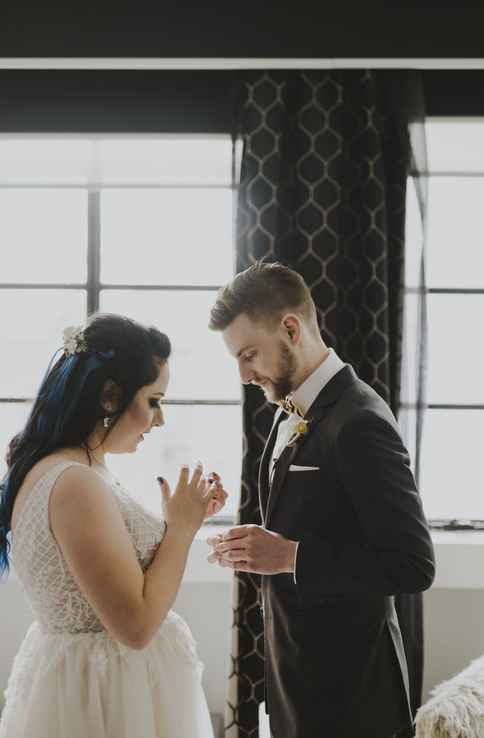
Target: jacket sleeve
396 555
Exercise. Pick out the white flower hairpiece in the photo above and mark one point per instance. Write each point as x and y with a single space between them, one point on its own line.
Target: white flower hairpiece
74 340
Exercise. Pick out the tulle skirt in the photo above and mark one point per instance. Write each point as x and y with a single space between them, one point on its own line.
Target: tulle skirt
87 685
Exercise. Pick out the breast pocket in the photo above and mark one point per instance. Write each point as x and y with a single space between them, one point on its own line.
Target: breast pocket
296 468
304 483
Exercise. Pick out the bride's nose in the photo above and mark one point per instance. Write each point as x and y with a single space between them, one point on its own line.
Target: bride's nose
158 419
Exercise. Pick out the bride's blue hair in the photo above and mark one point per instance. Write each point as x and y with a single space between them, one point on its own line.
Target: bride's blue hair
68 403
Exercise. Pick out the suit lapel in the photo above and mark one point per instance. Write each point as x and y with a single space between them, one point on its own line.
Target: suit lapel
327 397
265 462
280 470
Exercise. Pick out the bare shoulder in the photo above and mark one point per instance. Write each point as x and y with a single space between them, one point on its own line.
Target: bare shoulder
79 493
39 470
88 527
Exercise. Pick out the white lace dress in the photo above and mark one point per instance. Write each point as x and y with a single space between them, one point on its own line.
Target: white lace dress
70 678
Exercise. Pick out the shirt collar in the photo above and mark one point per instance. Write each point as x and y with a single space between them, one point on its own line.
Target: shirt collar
307 392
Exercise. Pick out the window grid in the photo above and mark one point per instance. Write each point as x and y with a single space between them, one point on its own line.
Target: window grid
94 285
430 174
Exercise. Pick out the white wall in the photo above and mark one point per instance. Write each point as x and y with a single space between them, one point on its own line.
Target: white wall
454 632
207 608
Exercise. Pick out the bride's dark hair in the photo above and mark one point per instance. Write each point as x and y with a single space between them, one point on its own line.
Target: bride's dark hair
68 402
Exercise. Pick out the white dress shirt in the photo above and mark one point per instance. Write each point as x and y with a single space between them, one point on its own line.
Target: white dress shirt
304 397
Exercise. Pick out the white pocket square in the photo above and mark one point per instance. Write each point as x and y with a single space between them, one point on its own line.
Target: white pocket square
296 468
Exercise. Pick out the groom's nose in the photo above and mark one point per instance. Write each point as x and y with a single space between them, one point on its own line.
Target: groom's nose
246 374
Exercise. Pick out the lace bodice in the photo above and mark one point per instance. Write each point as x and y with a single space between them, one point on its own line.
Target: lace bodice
57 603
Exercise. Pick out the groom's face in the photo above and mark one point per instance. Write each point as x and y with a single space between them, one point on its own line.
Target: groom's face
263 355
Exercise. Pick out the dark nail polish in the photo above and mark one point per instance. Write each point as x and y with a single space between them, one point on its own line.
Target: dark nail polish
160 479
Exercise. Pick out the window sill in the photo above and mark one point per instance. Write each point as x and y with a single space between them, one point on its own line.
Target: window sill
459 559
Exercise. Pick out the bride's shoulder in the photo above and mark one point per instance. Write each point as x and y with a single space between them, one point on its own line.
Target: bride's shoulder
46 463
35 475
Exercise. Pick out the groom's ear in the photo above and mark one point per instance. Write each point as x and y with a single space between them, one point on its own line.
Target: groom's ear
110 395
291 327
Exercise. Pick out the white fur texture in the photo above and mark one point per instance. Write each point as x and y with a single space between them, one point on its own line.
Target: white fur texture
456 707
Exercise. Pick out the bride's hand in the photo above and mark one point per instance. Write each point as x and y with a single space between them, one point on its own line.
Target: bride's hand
186 508
218 495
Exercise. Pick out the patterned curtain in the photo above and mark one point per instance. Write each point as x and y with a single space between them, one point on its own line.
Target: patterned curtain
325 162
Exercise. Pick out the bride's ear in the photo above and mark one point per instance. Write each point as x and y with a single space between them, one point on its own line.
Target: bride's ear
110 396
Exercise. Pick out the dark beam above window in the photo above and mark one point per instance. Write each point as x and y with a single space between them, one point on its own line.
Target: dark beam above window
116 101
305 29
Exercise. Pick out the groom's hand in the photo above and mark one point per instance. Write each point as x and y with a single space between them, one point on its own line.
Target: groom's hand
254 549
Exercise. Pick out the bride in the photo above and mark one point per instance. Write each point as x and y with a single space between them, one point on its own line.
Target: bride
105 657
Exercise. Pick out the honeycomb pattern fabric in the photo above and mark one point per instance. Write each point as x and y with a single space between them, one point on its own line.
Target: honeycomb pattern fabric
322 189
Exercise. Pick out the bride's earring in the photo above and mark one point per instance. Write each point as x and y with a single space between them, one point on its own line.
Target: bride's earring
107 420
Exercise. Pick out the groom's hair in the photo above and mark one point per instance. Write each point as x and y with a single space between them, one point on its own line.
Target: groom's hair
264 292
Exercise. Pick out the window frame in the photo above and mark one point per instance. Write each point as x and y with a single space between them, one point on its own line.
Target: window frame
429 174
93 285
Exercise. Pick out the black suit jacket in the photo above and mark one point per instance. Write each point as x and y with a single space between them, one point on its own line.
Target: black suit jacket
335 663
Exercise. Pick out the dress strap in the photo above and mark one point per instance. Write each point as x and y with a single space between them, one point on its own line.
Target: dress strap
39 495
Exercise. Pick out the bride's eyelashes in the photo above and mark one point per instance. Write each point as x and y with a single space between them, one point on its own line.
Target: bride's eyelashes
155 403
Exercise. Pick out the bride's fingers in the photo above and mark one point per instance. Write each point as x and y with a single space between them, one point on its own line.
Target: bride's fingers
184 473
208 491
220 495
197 475
165 488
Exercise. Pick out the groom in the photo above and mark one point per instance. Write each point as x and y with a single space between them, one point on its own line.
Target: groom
343 528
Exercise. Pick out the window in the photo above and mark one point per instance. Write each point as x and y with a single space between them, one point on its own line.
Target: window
452 477
136 224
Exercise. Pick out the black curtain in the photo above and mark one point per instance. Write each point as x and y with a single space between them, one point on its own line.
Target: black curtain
326 156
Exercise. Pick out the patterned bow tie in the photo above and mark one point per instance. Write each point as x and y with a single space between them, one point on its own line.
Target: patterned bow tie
289 406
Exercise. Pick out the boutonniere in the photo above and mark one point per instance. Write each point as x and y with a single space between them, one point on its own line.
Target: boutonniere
299 430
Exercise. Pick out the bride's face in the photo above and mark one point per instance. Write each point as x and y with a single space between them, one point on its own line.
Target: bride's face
142 414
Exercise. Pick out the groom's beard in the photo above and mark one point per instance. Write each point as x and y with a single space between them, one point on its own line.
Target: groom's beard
286 370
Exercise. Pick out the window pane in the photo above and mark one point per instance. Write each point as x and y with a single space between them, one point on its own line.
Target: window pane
452 477
44 160
43 235
201 367
179 236
189 160
409 388
407 421
455 145
456 349
212 435
413 236
12 420
455 253
31 334
120 160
